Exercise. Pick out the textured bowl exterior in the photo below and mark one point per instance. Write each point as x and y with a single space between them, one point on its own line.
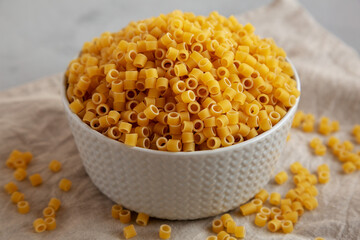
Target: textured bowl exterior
179 186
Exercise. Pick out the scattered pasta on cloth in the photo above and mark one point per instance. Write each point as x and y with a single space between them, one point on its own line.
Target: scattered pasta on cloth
33 120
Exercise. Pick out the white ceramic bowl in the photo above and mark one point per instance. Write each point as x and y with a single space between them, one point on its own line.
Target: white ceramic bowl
184 185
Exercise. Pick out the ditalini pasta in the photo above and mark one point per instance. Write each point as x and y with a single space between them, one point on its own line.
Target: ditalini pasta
260 219
281 177
20 174
165 231
230 228
125 216
211 238
223 235
115 211
287 226
217 226
48 212
129 231
55 165
39 225
225 218
23 207
50 223
10 187
17 197
263 195
65 184
54 203
142 219
257 203
35 179
240 232
275 198
274 225
248 208
164 72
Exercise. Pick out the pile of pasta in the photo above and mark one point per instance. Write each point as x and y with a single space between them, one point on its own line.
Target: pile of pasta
180 82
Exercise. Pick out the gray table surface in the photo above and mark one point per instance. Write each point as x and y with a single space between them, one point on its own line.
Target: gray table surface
39 37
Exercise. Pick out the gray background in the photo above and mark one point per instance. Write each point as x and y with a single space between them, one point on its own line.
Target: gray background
40 37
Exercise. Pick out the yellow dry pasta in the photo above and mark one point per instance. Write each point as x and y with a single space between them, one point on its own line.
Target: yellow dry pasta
165 231
217 226
55 166
20 174
263 195
54 203
10 187
287 226
19 163
281 177
225 218
315 142
323 176
211 238
310 203
50 223
129 231
230 83
142 219
298 118
323 167
248 208
335 126
274 211
48 212
265 211
308 125
274 225
115 211
240 232
17 197
298 207
275 198
35 179
124 216
349 167
39 225
257 203
295 167
260 220
320 150
23 207
131 139
292 216
230 227
65 184
348 145
223 235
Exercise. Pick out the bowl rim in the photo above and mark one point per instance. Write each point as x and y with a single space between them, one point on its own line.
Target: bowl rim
194 153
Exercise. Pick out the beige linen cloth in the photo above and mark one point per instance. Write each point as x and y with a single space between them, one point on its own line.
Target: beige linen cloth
32 119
